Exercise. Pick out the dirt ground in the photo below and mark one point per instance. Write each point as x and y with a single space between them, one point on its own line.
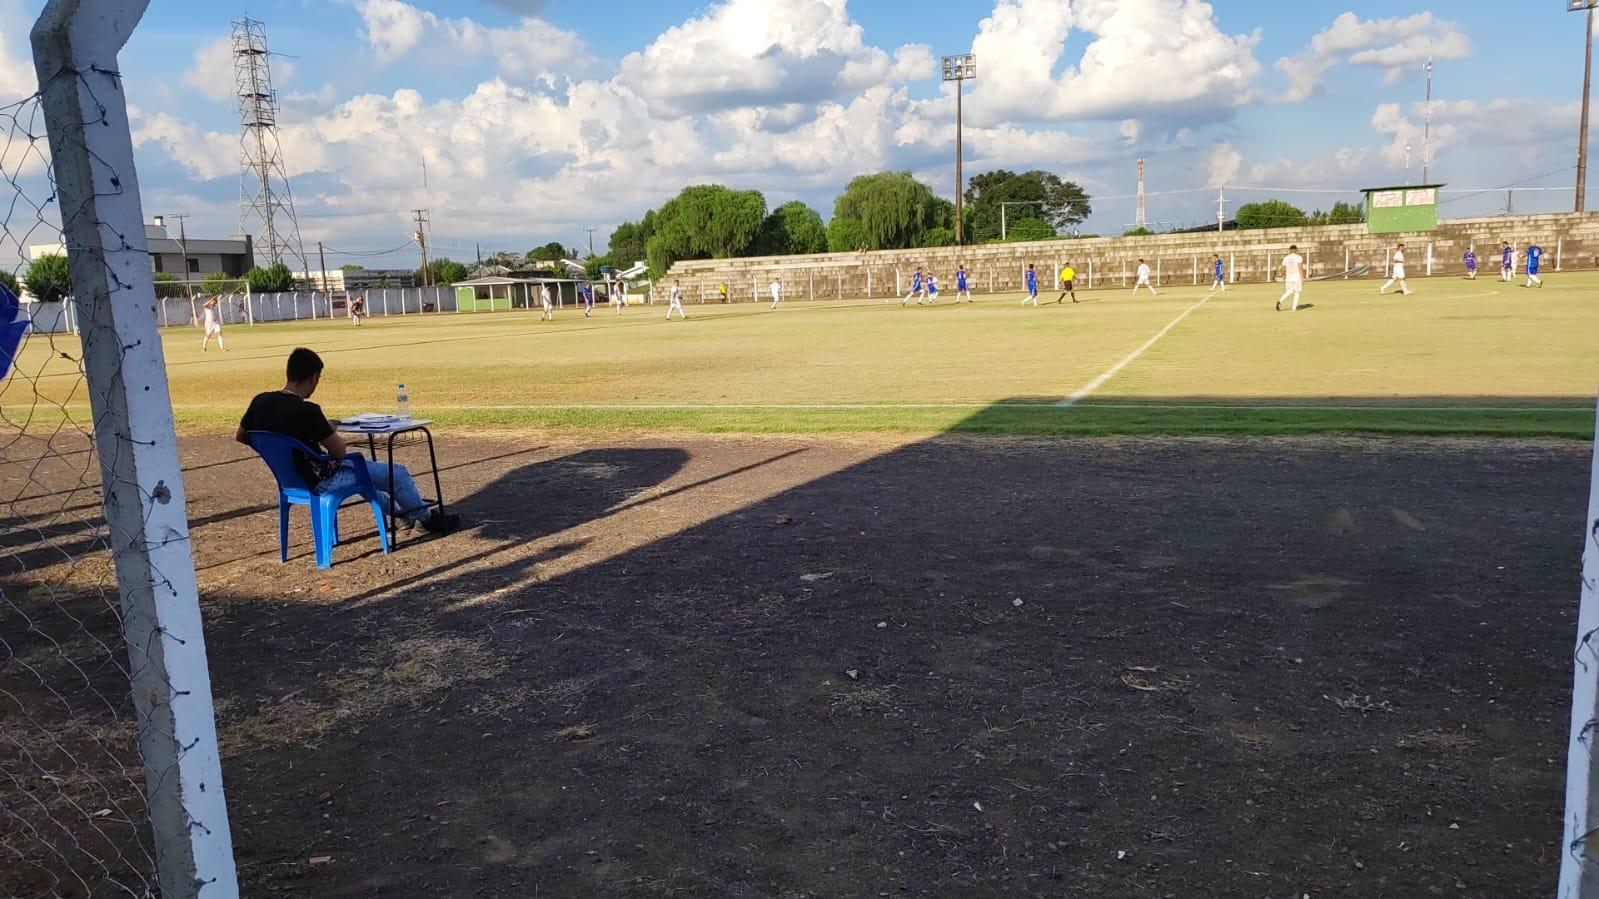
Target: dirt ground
800 667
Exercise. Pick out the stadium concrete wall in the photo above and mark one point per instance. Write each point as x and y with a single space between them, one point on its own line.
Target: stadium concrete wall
1571 240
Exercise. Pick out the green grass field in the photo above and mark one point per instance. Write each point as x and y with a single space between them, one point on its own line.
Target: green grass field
1457 357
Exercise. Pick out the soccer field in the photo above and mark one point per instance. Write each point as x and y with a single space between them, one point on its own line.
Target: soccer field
1456 357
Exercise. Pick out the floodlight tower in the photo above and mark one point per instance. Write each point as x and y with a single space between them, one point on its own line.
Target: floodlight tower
959 69
264 194
1138 214
1587 84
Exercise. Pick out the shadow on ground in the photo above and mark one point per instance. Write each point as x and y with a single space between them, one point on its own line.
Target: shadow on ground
743 667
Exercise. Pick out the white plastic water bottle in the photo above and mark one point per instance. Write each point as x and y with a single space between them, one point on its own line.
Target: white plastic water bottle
402 400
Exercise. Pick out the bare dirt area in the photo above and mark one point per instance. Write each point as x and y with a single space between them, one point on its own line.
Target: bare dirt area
796 667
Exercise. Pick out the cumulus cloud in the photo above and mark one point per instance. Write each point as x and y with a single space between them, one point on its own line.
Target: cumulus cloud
1146 57
529 48
1222 163
764 52
1394 45
212 71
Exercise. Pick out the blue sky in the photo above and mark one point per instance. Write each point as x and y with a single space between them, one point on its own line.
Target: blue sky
541 119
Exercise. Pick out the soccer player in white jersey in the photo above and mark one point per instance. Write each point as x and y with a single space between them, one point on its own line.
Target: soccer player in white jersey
1397 274
777 291
212 316
546 304
1507 263
1143 279
1293 278
675 303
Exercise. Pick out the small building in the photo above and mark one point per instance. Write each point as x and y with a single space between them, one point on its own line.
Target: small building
1396 210
496 293
185 257
343 280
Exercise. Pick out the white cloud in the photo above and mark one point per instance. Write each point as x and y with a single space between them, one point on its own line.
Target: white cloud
764 52
531 47
212 72
1146 57
1222 164
1395 45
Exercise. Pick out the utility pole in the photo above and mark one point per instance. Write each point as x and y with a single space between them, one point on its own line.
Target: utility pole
591 240
1426 130
322 259
1582 138
421 237
183 247
1221 211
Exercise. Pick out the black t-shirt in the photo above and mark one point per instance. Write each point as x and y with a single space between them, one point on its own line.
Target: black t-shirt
291 416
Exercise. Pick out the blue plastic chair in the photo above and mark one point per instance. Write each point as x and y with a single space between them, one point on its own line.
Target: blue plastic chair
278 452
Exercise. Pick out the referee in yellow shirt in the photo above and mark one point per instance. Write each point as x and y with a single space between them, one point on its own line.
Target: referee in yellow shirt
1068 275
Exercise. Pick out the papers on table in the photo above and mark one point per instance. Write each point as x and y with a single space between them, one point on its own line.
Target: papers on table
374 421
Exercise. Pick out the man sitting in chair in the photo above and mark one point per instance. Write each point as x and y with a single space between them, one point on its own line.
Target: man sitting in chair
291 413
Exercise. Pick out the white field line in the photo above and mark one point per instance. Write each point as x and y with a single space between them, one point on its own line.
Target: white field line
1040 406
1084 391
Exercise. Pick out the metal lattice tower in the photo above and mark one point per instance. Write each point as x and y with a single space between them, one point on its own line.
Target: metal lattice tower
264 194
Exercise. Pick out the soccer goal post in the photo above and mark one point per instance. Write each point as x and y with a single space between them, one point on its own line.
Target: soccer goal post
146 530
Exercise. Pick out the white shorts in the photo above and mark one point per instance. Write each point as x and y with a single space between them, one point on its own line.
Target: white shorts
1294 285
1399 271
213 328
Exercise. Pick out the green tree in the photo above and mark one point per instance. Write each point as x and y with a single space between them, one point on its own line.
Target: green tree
892 210
275 278
550 252
9 281
845 235
937 237
351 267
1270 214
1347 214
707 221
443 271
629 243
1060 203
593 264
1031 228
790 230
48 279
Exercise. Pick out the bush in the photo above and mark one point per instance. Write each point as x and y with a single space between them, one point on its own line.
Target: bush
1138 232
48 279
10 282
275 278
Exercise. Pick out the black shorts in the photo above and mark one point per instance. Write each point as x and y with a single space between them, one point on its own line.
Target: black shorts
1068 286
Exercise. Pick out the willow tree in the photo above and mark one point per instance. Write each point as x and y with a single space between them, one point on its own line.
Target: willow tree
889 211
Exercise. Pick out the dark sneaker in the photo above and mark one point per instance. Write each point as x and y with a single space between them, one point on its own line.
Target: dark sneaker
439 523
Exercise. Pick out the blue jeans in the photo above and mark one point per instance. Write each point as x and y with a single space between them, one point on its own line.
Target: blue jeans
406 502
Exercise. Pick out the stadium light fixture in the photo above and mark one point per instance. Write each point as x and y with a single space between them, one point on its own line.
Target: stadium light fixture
1587 6
961 69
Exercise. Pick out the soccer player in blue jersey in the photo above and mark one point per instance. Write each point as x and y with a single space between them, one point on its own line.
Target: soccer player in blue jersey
1507 264
1032 286
961 289
1534 262
1471 265
1221 277
916 289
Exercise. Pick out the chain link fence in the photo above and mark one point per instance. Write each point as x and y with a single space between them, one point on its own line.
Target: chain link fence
110 781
